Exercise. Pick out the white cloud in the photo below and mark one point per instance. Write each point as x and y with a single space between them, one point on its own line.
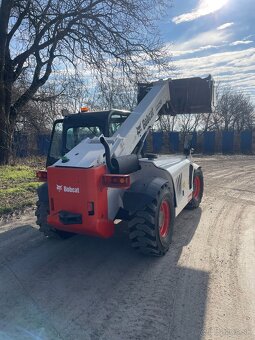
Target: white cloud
249 36
224 26
204 41
204 7
178 53
233 68
241 42
222 62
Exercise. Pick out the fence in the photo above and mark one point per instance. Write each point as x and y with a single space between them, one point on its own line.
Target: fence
210 142
226 142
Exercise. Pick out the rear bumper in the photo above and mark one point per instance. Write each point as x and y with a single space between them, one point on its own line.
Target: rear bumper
100 228
78 201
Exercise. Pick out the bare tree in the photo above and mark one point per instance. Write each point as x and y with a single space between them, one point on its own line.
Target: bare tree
114 89
234 111
38 37
185 123
166 123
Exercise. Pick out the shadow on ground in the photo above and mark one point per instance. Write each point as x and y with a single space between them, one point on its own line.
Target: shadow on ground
88 288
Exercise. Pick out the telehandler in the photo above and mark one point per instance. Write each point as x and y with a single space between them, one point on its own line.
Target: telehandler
97 172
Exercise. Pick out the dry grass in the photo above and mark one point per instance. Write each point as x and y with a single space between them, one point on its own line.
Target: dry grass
18 185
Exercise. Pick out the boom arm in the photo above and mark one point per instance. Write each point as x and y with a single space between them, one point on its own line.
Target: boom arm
190 95
90 152
141 119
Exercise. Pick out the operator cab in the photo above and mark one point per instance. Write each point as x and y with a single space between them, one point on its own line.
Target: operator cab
72 129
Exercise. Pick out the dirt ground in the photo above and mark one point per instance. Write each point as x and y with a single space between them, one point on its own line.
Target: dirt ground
88 288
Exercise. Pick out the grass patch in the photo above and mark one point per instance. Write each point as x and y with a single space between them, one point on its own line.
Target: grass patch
17 187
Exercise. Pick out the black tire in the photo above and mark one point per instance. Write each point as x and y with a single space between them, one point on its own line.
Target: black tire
146 230
41 213
198 190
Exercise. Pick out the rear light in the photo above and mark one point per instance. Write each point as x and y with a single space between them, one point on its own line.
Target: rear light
41 175
116 181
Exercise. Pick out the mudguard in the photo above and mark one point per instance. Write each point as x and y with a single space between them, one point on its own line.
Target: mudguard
137 196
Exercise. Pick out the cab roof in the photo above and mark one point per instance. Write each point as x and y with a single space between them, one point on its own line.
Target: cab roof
97 115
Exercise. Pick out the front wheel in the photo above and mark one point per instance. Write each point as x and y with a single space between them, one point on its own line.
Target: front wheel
151 229
198 189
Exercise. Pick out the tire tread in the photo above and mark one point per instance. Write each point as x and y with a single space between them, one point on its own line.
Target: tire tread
142 231
41 213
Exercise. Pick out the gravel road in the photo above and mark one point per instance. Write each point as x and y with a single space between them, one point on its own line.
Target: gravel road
88 288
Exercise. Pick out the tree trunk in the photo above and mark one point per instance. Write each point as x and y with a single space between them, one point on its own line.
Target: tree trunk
7 115
6 135
6 125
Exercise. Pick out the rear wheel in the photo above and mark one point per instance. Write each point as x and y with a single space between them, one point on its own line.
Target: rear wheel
41 213
198 189
151 229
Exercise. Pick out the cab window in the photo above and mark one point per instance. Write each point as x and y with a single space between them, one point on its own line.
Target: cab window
115 122
75 135
56 141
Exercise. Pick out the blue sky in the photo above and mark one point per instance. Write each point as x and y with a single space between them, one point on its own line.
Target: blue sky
213 36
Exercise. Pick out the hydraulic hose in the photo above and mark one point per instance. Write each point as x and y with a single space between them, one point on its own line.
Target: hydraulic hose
122 164
107 155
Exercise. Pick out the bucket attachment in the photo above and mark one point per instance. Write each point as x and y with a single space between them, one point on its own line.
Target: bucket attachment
188 95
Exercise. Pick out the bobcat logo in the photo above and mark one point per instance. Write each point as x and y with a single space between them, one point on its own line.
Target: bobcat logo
139 129
59 188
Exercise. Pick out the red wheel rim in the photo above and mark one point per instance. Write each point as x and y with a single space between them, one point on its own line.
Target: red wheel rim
197 188
164 218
